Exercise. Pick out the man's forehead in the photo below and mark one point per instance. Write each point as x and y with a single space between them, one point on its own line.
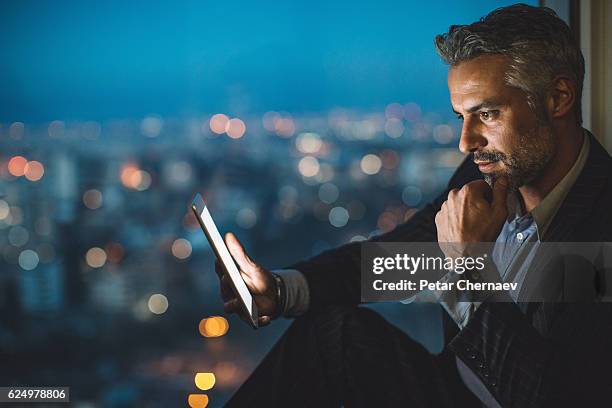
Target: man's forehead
480 78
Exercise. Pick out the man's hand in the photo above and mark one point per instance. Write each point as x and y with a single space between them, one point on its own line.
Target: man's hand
468 217
258 279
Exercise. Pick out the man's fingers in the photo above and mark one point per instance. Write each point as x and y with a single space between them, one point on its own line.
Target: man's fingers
500 193
219 269
226 288
231 306
264 320
238 253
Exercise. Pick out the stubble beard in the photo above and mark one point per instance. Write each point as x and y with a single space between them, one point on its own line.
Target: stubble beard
534 150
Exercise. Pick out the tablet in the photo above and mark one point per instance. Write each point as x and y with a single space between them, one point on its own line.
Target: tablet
225 258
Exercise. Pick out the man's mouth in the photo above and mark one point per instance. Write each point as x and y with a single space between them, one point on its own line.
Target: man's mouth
486 166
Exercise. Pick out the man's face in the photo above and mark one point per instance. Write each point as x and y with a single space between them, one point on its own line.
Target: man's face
499 128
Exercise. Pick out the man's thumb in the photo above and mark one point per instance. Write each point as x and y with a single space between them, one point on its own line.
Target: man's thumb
238 253
500 192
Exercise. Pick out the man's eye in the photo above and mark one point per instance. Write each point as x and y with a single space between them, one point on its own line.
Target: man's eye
487 115
459 116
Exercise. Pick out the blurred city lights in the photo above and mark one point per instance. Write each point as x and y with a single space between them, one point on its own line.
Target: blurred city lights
357 238
326 173
114 252
181 248
309 143
269 120
91 130
158 304
204 381
92 199
390 159
246 218
56 128
15 216
34 170
308 166
4 210
284 127
338 217
411 196
95 257
214 326
394 128
151 126
197 400
443 134
218 123
226 373
134 178
28 260
179 172
235 128
16 166
16 130
370 164
328 193
18 236
412 112
394 111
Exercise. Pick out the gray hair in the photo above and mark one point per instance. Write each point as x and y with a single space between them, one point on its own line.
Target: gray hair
539 44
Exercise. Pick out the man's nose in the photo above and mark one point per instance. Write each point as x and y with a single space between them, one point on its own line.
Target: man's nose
471 137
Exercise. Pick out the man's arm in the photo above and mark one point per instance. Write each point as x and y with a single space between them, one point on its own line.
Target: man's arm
333 277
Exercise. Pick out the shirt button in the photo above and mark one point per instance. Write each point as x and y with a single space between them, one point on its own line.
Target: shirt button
520 236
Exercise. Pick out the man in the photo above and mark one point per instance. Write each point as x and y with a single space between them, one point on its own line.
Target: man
515 80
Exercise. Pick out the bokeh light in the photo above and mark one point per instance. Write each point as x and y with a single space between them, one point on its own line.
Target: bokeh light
16 130
4 210
411 196
214 326
246 218
204 381
235 128
328 193
158 303
28 260
308 166
370 164
34 170
181 248
197 400
338 217
114 252
56 128
443 134
95 257
151 126
92 199
218 123
18 236
16 216
284 127
309 143
394 128
16 166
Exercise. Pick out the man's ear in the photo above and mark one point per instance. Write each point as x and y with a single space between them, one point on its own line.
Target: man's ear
562 97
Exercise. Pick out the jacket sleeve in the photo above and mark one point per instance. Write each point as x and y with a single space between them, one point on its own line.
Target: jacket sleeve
334 276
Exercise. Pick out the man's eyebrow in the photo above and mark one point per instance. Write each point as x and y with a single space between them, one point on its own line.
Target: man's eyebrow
487 104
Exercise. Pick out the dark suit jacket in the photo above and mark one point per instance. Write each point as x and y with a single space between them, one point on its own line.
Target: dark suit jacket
540 354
